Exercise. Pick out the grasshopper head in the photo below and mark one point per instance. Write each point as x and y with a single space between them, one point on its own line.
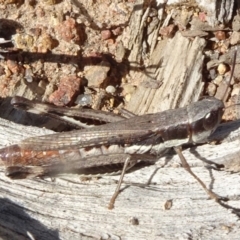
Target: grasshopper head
204 118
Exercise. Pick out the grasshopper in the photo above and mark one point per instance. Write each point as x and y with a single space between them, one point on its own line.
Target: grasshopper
122 141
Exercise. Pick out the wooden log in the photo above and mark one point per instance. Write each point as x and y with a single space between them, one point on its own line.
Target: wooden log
172 206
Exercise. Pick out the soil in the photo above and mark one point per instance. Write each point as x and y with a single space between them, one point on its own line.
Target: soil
63 49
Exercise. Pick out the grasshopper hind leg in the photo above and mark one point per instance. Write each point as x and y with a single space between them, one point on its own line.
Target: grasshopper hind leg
186 166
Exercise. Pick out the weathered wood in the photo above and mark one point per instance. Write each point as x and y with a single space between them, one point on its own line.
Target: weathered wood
217 10
68 208
177 64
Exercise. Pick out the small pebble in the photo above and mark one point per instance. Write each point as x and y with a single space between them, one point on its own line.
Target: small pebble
128 89
235 91
28 75
84 99
168 204
222 68
110 89
134 221
106 34
218 80
213 73
235 38
220 35
211 89
117 31
128 97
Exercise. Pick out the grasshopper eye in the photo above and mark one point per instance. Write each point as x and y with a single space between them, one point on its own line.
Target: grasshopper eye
211 120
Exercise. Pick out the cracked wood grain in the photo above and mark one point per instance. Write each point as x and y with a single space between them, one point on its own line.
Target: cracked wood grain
69 208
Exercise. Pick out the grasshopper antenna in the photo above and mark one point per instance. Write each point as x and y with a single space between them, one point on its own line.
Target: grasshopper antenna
231 76
229 82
